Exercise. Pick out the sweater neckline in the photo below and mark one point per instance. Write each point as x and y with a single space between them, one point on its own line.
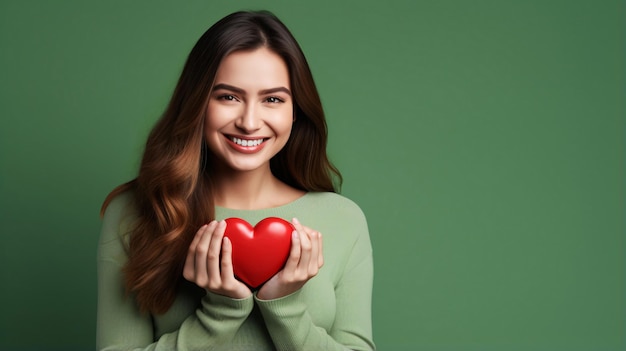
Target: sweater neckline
266 209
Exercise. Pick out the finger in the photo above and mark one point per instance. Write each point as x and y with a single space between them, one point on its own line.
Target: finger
190 261
320 257
297 225
188 270
303 228
201 253
307 229
313 262
213 256
227 260
294 254
196 238
305 250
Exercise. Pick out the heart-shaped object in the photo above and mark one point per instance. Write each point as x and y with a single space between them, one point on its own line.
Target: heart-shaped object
259 252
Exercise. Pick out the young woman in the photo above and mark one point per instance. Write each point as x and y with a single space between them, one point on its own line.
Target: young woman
244 135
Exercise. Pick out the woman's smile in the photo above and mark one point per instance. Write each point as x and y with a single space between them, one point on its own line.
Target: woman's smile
246 145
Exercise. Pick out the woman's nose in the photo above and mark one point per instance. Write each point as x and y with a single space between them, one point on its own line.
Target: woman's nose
249 121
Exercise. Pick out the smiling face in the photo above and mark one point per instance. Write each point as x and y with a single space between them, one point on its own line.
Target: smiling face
250 110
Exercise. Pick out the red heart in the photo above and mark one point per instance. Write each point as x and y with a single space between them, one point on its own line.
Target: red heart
259 252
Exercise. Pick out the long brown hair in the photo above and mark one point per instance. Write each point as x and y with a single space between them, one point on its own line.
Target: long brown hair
172 193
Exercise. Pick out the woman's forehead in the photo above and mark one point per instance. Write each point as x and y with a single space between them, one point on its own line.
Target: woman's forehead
259 69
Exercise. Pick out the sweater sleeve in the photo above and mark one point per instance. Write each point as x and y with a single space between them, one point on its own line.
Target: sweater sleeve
292 328
120 325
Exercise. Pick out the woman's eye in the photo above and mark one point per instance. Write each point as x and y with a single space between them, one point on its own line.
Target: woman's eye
273 100
227 97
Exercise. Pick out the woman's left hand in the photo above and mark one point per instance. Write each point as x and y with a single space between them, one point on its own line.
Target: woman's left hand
304 262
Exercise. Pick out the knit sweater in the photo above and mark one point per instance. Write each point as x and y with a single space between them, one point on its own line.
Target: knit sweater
332 311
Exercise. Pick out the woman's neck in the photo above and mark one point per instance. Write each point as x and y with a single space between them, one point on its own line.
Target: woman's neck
251 190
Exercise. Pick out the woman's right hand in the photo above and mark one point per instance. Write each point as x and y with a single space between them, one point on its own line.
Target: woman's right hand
204 267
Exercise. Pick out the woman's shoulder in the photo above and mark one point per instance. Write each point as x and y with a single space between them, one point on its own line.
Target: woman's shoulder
340 219
333 202
121 204
117 222
118 217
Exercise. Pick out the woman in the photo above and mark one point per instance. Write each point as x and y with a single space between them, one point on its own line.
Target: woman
244 135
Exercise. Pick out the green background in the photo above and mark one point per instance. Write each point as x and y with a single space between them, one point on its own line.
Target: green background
484 140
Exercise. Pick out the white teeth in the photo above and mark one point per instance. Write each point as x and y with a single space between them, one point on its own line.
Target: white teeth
243 142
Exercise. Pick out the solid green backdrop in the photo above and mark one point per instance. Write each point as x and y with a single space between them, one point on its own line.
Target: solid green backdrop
484 141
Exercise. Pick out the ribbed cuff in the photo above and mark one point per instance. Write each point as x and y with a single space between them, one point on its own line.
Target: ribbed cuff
223 307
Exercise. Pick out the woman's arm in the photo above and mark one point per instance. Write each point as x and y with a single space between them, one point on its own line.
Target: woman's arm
120 325
292 327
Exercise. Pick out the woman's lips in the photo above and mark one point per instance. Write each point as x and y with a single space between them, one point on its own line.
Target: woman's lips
246 145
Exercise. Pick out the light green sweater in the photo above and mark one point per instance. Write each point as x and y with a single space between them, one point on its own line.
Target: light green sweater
331 312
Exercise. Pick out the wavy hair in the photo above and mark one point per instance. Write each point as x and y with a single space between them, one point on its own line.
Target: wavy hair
173 193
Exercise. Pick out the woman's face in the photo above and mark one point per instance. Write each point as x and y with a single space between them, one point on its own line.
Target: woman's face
250 110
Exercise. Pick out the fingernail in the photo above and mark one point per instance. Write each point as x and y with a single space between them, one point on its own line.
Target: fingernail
294 234
296 221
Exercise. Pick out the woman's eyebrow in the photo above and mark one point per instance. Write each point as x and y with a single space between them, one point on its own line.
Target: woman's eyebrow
223 86
228 87
275 90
